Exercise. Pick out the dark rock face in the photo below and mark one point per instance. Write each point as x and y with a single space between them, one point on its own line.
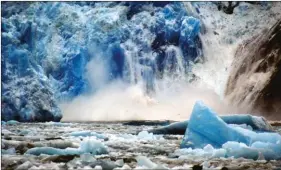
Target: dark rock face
254 83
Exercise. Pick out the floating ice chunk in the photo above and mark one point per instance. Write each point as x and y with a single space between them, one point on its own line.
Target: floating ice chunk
255 151
258 150
13 143
219 153
10 151
148 136
185 166
119 162
81 133
238 150
86 157
206 128
6 132
87 133
27 132
98 167
3 123
145 163
25 165
88 145
125 166
53 166
52 151
145 135
62 144
78 162
27 138
268 150
87 167
57 123
125 136
207 152
12 122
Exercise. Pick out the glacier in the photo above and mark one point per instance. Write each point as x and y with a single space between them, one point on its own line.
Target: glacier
206 128
46 47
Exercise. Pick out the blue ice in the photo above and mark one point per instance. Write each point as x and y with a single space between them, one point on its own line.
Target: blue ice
47 46
12 122
205 127
88 145
87 133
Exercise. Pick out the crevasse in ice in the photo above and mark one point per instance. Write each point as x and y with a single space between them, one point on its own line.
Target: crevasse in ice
46 47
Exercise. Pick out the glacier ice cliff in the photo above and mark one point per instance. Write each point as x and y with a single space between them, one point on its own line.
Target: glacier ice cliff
46 47
53 52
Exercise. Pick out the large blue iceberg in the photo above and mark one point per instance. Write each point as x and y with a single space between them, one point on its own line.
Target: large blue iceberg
46 47
206 128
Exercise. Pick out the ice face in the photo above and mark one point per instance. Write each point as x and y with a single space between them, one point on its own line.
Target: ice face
48 47
206 128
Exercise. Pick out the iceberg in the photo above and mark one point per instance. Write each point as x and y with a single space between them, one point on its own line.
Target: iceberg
206 128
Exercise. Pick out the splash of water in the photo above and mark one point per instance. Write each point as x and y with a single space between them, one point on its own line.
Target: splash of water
172 99
173 92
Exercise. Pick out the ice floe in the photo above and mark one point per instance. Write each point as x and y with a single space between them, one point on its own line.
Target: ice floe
88 145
